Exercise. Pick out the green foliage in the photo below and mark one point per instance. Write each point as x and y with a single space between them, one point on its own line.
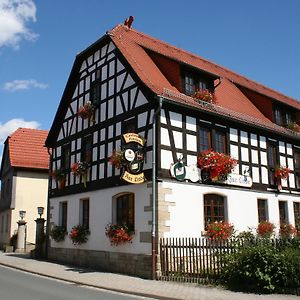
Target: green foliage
58 233
263 268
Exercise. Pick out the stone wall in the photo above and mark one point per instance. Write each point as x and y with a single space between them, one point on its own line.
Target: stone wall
124 263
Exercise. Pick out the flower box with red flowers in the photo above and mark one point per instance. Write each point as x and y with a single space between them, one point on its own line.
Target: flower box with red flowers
86 111
205 95
219 230
116 159
294 127
79 235
287 230
217 165
282 172
265 229
118 234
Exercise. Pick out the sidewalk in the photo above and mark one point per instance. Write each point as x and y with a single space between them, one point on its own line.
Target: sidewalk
128 284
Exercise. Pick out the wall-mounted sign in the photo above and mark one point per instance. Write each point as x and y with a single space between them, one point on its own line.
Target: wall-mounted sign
182 172
133 155
239 180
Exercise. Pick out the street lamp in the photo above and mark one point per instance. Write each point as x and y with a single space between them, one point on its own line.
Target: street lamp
40 211
22 214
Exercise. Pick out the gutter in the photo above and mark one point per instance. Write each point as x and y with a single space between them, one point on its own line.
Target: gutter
154 188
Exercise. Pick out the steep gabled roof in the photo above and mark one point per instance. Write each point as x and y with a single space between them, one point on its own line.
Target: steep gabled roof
136 46
133 44
26 149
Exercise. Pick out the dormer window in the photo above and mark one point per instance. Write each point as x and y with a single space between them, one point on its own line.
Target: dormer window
282 116
194 82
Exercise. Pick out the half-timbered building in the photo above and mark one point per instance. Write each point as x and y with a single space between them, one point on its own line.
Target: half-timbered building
138 84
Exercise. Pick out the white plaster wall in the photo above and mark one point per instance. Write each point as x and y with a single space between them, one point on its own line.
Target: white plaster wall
101 215
31 191
186 216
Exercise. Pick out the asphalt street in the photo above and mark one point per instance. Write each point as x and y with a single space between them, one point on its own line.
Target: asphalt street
20 285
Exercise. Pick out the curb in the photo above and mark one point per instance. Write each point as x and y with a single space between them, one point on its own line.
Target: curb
90 285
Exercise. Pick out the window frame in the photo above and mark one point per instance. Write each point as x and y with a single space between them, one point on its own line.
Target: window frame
129 214
272 160
65 160
128 124
95 86
262 210
63 214
84 211
87 153
211 138
283 212
193 81
213 201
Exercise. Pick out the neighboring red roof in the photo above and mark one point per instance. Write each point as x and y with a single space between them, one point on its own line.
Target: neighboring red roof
133 44
26 148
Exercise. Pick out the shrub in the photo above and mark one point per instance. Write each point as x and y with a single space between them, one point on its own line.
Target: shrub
79 235
263 268
58 233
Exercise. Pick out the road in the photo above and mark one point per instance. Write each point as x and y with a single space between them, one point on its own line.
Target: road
20 285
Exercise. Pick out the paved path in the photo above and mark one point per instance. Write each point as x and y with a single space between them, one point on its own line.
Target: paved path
128 284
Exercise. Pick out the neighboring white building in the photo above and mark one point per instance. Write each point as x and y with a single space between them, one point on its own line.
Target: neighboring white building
24 181
133 79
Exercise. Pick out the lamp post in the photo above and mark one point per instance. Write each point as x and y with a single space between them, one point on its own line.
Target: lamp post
21 240
40 236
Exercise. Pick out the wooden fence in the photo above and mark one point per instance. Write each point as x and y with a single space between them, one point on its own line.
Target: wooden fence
193 259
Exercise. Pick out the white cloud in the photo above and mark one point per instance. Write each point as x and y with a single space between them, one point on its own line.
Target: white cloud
16 85
10 126
14 16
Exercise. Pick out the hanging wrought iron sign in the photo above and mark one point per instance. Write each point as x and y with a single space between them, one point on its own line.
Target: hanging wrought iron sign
133 148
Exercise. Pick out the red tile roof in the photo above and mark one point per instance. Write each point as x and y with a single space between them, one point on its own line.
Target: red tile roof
26 148
231 102
133 44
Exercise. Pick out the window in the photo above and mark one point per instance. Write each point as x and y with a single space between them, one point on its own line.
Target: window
193 82
86 154
220 145
272 160
65 156
283 216
297 167
297 214
214 209
129 126
95 93
124 206
85 213
262 210
212 138
63 214
189 86
282 116
205 139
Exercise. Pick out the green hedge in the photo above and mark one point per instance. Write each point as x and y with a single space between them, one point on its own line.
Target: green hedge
264 268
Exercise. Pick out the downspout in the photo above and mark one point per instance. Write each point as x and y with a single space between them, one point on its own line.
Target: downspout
48 204
154 189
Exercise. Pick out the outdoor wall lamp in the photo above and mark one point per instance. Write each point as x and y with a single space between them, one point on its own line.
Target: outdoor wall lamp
22 214
40 211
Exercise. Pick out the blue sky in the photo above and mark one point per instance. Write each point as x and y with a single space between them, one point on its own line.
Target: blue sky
39 40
